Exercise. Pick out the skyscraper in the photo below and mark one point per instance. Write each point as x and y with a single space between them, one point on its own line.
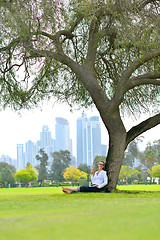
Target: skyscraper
82 139
88 139
9 160
95 137
20 157
30 153
104 149
37 147
62 138
46 142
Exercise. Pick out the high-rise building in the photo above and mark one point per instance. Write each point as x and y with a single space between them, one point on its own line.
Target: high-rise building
37 147
9 160
81 137
30 153
95 138
20 157
88 139
46 142
62 138
104 149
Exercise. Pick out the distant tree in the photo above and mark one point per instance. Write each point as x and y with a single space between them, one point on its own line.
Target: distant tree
155 171
96 160
42 168
156 149
85 168
7 175
131 153
71 173
126 172
26 175
143 174
6 165
148 157
28 165
61 160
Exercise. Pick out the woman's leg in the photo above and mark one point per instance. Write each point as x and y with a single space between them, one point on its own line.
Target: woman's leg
89 189
69 190
81 189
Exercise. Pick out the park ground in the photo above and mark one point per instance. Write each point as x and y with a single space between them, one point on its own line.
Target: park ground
133 213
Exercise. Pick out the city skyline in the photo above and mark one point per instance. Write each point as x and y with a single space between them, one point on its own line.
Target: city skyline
88 139
45 142
19 128
90 142
88 145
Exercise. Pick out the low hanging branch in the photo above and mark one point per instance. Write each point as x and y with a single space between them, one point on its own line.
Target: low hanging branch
142 127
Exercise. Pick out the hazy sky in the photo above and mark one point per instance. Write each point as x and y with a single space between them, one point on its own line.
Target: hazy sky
18 129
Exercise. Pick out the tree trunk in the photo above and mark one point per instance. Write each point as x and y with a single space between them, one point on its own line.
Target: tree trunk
117 144
114 160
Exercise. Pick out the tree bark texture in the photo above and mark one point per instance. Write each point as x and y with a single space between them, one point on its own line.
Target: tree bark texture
117 143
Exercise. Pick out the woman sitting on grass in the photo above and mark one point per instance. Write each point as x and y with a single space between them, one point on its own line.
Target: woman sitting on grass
99 181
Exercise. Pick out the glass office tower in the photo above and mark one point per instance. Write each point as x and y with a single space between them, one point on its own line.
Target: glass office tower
20 157
88 139
46 142
62 136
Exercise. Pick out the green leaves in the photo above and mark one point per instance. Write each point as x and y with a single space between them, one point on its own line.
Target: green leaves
37 67
42 167
155 171
26 175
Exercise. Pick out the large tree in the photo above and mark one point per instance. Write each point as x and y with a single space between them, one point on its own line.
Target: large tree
6 175
102 52
26 175
131 153
42 167
6 165
61 161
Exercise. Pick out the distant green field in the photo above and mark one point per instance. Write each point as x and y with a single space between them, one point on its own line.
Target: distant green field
47 213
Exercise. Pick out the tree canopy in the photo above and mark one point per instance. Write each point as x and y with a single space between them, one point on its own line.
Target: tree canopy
6 165
85 168
71 173
6 175
155 171
42 167
116 40
126 172
61 161
26 175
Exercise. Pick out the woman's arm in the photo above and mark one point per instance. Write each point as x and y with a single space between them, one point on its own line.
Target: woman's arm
92 175
105 182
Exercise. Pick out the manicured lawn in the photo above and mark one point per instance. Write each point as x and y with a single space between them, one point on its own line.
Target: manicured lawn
47 213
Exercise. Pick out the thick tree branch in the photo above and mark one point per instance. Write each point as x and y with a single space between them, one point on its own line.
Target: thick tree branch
56 38
138 63
94 36
10 45
92 48
142 127
65 33
75 24
148 78
144 3
121 89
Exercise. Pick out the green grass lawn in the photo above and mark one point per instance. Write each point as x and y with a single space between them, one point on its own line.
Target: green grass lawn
47 213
